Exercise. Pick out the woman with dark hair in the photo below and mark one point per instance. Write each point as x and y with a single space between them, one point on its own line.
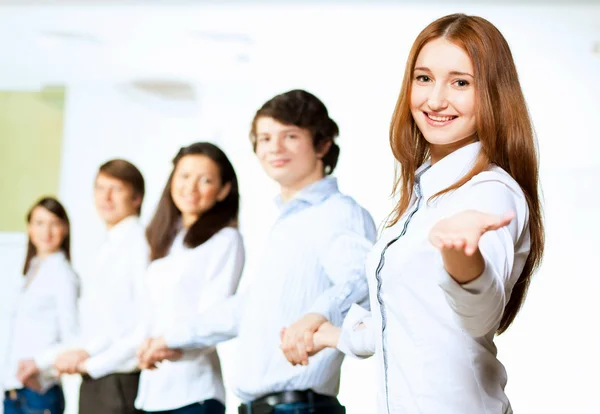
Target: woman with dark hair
45 316
197 259
453 267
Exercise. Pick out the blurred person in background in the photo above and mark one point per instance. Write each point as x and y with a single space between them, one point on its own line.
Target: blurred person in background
112 287
197 257
45 316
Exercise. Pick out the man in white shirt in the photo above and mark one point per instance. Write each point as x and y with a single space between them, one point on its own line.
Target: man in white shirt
111 288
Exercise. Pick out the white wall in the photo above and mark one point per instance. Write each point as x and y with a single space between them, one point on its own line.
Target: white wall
353 58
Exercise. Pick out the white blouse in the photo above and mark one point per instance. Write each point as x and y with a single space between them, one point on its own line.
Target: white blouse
44 318
177 288
434 338
181 285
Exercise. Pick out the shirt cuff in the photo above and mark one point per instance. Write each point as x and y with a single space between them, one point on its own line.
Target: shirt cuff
179 338
469 292
93 367
347 343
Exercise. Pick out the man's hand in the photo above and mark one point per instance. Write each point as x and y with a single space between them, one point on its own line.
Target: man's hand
69 362
81 368
327 336
33 383
27 369
153 351
297 340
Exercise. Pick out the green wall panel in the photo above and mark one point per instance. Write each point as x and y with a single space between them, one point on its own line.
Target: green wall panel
31 128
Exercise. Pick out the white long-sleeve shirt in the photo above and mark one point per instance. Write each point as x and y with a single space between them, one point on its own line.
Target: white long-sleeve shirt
315 258
44 318
176 288
179 286
112 291
434 338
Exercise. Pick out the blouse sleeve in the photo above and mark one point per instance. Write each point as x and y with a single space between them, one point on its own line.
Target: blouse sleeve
219 309
66 292
224 271
357 338
479 304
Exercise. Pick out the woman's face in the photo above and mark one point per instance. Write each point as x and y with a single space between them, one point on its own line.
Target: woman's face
196 187
443 97
46 231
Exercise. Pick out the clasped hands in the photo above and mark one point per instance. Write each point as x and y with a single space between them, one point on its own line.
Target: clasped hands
69 362
155 350
458 234
306 337
300 340
149 353
27 374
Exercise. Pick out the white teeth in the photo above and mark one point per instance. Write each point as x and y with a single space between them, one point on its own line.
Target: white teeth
440 118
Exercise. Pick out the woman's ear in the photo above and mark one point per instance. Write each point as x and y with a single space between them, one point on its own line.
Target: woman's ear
224 192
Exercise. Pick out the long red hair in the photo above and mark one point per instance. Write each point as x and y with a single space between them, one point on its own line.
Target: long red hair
503 125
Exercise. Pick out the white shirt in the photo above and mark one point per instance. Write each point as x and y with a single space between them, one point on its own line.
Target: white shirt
180 285
176 288
112 288
434 338
44 318
315 262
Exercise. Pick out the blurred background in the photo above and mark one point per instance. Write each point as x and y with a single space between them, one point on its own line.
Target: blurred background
85 81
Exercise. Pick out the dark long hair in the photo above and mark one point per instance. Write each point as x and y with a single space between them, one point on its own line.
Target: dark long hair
164 225
504 129
55 207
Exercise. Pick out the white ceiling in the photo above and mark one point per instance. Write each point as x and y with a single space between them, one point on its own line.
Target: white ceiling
86 40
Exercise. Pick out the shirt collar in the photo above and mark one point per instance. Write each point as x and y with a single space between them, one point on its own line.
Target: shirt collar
119 230
314 193
59 255
447 171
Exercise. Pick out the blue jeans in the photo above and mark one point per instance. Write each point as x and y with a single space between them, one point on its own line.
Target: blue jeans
32 402
204 407
304 408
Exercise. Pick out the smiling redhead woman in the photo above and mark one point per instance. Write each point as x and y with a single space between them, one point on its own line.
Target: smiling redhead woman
453 266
